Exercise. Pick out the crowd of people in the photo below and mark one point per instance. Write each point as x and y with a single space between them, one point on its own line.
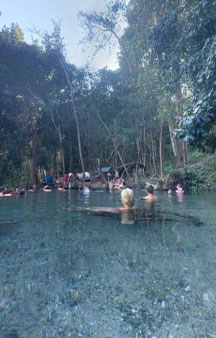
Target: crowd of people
128 210
179 190
116 184
69 181
5 192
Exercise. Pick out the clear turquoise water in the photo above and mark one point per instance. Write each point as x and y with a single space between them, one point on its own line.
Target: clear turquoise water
74 274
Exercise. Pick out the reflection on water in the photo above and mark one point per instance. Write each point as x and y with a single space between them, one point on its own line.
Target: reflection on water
72 274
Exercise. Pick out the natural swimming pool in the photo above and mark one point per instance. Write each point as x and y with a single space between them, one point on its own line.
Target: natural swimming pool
74 274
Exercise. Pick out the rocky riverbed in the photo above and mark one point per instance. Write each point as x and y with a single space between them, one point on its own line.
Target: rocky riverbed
89 276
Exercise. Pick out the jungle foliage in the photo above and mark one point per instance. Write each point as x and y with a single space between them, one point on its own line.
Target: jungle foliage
160 102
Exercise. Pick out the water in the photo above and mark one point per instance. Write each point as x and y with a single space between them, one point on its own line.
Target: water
74 274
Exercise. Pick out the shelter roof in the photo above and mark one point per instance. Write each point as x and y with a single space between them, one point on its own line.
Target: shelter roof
106 169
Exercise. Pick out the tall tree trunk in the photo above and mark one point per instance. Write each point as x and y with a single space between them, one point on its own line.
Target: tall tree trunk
140 142
62 149
58 129
138 158
174 143
185 152
179 105
161 148
76 117
144 151
34 158
115 145
153 155
71 154
98 167
55 163
28 173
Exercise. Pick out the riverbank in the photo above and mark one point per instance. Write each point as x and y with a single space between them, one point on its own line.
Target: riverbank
198 175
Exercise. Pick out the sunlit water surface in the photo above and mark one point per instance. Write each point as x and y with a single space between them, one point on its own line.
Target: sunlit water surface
73 274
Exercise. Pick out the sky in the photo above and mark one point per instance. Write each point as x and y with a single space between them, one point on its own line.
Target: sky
30 14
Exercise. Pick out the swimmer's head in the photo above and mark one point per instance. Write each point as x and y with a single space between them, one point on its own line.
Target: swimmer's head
150 189
127 197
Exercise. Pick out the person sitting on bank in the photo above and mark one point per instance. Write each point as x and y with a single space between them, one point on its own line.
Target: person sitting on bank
108 177
150 193
110 186
179 189
120 185
70 180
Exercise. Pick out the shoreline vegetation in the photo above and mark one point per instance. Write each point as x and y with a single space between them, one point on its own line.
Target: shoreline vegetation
197 175
155 111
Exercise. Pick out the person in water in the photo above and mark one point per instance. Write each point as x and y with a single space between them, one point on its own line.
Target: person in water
127 197
179 189
126 211
85 190
47 188
7 192
150 193
31 189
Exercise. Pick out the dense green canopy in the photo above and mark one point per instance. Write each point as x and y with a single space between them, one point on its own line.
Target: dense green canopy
58 118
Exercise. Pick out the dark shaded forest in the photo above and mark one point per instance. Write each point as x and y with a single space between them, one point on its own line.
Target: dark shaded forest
153 110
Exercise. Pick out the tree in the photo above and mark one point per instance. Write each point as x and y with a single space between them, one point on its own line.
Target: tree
185 41
143 17
21 104
198 123
54 45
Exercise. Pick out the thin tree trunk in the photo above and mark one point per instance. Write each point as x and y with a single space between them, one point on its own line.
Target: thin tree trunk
34 159
161 148
114 142
115 146
153 155
28 173
174 143
144 151
62 149
179 105
55 163
58 129
139 143
185 152
76 118
138 158
71 154
98 167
